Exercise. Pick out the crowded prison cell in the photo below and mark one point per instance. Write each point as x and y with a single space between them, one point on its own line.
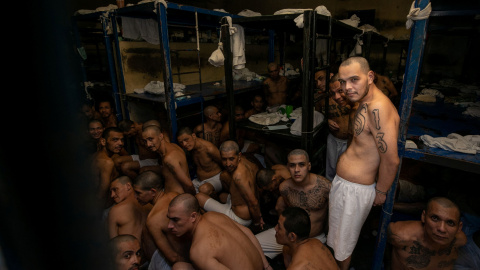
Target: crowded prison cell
260 135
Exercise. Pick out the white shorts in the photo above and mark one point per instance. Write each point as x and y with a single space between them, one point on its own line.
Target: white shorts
158 262
335 147
349 206
269 244
214 180
215 206
145 162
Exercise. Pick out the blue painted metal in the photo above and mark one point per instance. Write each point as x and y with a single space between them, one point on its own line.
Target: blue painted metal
111 65
167 71
124 104
412 73
271 47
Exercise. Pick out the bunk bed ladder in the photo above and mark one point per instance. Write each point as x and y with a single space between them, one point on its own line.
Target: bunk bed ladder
411 80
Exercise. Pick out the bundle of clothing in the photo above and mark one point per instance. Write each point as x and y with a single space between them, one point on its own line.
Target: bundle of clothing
158 88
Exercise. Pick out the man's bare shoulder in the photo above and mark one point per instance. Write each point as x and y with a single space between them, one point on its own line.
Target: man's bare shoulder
404 231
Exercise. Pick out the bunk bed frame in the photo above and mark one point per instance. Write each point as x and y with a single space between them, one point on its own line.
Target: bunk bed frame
78 31
315 26
466 162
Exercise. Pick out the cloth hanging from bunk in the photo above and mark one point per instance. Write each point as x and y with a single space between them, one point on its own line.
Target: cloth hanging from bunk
469 144
137 29
237 45
353 21
416 14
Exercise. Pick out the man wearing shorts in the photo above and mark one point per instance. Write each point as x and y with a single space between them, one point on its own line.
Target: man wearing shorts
206 157
239 175
372 155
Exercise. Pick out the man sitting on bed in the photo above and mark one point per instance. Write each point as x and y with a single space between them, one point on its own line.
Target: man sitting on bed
275 88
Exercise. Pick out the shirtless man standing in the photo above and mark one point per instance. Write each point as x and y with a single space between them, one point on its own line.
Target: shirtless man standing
371 156
305 190
338 126
149 189
103 166
299 250
206 157
132 165
239 176
173 160
217 242
431 243
211 128
275 87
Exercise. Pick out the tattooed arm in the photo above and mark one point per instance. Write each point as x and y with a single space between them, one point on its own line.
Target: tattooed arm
384 122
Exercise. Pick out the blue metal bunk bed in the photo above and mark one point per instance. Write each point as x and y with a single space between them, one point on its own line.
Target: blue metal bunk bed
315 26
90 29
436 119
179 15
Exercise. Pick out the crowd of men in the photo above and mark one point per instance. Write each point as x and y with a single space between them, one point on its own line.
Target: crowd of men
159 213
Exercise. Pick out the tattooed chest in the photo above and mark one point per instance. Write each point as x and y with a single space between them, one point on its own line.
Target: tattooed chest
420 256
311 200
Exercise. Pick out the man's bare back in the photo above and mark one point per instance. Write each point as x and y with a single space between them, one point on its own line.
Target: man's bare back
218 241
175 166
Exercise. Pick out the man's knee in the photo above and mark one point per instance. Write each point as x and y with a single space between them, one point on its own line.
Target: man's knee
202 199
206 189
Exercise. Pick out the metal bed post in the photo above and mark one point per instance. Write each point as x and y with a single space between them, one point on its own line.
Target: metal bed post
228 66
271 46
412 73
308 75
167 72
111 64
123 101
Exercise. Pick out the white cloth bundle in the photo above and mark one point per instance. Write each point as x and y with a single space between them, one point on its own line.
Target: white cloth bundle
296 128
469 144
353 21
158 88
237 45
265 118
249 13
416 14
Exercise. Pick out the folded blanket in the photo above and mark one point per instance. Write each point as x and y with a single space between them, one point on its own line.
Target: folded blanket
469 144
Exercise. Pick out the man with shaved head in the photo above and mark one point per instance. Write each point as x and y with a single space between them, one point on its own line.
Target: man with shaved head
173 159
125 252
369 165
217 242
239 176
210 129
431 243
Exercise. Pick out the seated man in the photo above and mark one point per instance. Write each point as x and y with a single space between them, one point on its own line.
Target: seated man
211 128
239 176
216 241
275 88
431 243
257 106
206 157
300 251
132 165
268 181
107 113
305 190
125 252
